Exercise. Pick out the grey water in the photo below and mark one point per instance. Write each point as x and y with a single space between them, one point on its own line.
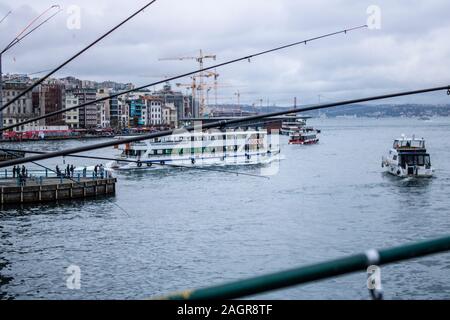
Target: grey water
181 229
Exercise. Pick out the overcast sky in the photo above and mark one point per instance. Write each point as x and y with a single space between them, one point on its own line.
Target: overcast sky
411 50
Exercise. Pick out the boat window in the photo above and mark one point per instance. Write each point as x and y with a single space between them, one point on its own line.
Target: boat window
420 160
427 161
395 158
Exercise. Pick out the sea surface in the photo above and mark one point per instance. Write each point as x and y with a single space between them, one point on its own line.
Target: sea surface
177 229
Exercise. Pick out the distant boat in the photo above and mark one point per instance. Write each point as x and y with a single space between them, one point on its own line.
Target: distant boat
304 137
424 118
408 158
292 125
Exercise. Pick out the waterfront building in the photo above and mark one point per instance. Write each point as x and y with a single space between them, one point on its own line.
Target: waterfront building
87 114
169 115
88 84
185 105
103 109
71 83
50 97
154 107
114 112
138 111
124 112
20 110
72 117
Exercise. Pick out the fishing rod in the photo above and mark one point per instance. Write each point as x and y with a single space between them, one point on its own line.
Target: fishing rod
75 56
218 124
248 57
6 16
17 40
153 163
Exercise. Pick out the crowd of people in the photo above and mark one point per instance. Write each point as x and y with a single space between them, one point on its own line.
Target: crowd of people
68 172
99 170
21 173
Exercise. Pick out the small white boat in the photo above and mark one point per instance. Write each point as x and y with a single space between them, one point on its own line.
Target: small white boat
210 148
408 158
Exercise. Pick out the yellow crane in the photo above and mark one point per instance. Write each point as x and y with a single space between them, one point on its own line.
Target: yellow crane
200 59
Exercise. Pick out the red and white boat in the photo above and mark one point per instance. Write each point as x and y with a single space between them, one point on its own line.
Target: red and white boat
304 137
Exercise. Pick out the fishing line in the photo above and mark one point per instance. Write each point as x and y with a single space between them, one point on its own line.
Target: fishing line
218 124
170 79
17 40
153 163
6 16
75 56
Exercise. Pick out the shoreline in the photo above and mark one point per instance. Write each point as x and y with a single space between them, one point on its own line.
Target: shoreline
57 139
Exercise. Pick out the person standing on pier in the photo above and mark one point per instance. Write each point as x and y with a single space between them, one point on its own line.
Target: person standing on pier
68 171
14 171
96 170
24 171
58 172
72 169
102 171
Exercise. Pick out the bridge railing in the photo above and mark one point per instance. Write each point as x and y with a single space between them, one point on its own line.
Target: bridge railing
315 272
49 174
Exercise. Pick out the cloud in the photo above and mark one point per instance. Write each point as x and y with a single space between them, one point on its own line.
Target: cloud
410 51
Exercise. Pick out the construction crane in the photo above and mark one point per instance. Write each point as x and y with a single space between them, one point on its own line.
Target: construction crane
193 87
200 59
205 87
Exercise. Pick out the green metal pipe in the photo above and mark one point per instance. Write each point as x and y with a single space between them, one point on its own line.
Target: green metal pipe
315 272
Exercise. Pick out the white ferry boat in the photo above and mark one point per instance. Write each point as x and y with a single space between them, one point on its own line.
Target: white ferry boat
408 158
237 147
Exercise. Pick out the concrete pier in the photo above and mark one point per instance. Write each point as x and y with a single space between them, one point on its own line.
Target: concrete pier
54 189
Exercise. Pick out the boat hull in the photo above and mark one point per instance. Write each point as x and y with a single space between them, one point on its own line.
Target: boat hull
155 164
298 142
419 172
